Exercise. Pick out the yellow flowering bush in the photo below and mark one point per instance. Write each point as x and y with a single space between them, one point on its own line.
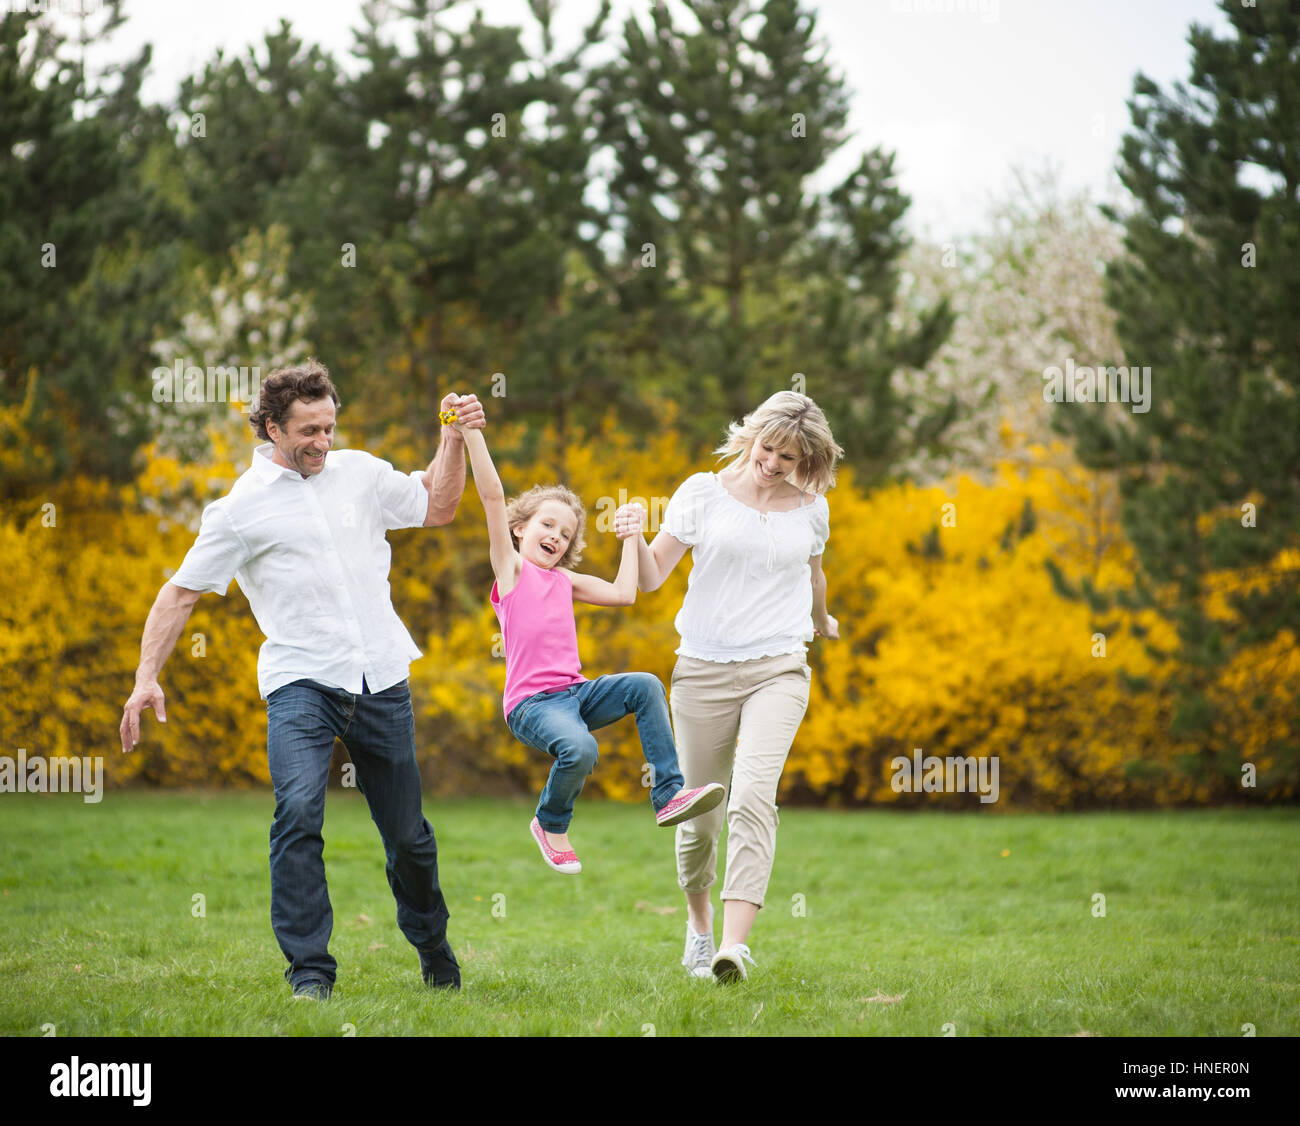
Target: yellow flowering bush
952 637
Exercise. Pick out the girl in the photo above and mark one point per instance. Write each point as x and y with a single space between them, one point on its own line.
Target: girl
755 596
548 703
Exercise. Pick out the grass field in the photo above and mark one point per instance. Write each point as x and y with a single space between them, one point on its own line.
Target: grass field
876 923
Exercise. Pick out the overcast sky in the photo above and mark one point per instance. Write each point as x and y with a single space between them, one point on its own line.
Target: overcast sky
962 90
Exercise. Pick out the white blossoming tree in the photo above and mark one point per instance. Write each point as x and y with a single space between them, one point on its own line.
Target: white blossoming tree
237 332
1029 291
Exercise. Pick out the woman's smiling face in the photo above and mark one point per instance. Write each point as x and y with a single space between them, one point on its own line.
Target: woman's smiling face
546 537
771 464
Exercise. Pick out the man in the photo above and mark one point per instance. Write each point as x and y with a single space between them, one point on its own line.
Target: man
305 537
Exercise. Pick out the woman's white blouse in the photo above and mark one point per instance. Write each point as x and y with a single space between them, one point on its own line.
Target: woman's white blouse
749 594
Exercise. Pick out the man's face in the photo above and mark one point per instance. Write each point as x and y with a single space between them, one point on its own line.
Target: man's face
306 438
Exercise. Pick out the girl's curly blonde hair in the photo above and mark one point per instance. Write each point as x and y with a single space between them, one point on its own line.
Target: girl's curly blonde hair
789 419
522 509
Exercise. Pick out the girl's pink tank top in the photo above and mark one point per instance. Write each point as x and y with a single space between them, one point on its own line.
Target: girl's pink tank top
540 635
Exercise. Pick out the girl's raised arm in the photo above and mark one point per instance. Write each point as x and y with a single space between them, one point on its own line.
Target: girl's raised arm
505 560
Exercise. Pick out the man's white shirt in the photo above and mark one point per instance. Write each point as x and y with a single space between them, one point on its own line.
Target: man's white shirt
312 558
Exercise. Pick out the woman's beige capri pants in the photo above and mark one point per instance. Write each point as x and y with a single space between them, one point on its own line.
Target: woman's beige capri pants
734 723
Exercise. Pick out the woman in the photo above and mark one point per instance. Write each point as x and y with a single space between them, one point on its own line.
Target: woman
755 596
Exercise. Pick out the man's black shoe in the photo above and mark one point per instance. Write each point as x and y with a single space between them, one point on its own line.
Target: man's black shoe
312 991
440 969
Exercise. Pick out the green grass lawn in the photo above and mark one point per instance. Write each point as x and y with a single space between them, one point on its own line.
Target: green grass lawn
876 923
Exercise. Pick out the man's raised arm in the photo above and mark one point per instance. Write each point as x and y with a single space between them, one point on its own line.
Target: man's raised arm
167 618
445 477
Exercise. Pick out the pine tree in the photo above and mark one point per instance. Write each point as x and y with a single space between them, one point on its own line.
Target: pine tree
754 283
86 248
1208 297
491 258
273 139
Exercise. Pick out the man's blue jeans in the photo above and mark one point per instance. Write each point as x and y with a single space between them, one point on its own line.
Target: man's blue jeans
561 722
378 730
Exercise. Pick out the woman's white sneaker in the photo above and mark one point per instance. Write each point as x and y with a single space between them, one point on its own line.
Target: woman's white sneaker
728 964
699 952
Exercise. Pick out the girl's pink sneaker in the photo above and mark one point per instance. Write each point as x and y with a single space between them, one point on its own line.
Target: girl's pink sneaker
566 862
690 803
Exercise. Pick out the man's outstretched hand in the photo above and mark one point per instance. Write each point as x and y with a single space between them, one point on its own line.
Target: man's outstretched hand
468 411
145 696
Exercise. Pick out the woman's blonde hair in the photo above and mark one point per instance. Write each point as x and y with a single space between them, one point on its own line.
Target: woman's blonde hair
525 506
789 419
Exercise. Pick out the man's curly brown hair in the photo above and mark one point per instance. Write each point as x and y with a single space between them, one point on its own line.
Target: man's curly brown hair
285 386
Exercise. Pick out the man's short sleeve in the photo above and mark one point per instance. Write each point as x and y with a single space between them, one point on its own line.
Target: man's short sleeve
214 557
403 499
683 514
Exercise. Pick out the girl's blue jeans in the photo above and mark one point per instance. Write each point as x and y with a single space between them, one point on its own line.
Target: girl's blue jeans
561 722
